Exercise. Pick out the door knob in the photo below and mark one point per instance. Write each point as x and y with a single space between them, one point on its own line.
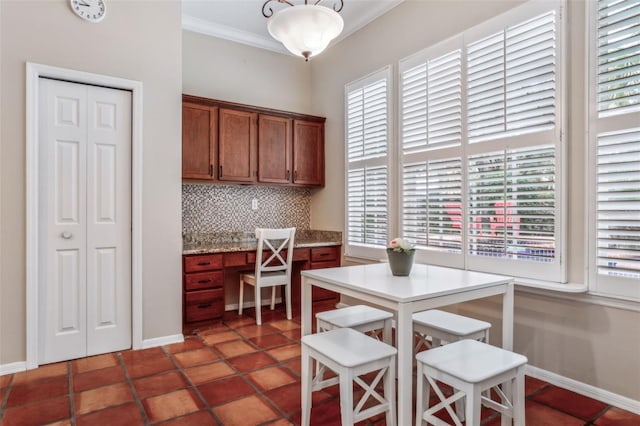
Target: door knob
66 235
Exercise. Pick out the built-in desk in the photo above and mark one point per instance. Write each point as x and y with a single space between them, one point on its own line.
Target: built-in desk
205 274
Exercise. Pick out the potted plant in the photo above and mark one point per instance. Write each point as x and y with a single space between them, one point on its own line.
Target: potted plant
400 253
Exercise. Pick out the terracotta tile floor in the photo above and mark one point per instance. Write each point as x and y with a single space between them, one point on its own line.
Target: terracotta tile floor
234 373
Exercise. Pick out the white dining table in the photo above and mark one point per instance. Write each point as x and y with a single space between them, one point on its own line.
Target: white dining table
427 287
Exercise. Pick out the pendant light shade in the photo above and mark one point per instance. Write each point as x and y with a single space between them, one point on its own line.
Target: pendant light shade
305 30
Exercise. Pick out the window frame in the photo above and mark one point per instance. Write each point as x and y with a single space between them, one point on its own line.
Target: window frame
609 286
358 250
532 270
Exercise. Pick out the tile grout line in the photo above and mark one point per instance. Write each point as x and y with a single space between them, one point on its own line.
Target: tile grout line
136 399
5 399
72 402
193 387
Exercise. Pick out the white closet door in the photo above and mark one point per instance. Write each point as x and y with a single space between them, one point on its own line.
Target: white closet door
108 220
85 220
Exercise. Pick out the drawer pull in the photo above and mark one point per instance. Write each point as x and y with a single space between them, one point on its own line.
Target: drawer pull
204 281
324 254
204 263
204 306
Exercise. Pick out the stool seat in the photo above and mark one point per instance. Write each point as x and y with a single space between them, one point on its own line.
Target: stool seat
348 347
471 361
353 316
457 325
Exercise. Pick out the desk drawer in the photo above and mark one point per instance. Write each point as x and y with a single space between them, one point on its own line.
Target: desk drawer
236 259
207 262
204 305
203 280
324 254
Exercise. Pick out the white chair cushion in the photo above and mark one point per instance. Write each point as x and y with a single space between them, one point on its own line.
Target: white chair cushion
470 360
348 347
267 279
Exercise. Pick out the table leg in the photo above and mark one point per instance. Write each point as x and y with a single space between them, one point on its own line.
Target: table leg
404 337
306 314
507 317
507 339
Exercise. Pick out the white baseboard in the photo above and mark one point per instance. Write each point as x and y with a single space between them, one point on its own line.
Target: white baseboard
164 340
584 389
14 367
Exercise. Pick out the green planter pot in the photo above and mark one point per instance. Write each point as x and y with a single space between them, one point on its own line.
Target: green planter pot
400 262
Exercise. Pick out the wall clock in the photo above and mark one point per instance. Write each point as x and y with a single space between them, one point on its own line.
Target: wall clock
90 10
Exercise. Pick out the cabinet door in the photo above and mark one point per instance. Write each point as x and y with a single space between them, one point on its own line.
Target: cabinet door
274 149
199 137
237 146
308 152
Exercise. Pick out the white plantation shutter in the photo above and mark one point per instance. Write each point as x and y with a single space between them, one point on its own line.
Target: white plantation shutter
618 52
431 102
367 208
480 146
618 204
511 79
367 139
614 267
432 204
367 117
512 211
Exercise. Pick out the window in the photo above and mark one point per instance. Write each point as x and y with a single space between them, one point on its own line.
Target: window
614 120
367 146
480 146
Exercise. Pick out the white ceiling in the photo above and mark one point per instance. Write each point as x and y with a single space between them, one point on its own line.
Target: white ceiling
242 21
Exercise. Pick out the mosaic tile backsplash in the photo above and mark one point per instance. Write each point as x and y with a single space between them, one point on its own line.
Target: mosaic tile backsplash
227 208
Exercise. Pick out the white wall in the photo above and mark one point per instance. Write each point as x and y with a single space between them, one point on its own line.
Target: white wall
220 69
138 41
571 337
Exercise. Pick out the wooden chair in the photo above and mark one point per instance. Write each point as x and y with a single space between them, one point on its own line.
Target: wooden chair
274 258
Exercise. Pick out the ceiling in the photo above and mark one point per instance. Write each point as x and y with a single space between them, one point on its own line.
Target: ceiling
242 21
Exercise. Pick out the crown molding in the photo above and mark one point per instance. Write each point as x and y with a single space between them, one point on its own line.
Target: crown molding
366 18
200 26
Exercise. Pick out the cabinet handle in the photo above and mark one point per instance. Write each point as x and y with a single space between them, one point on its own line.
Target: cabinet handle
210 169
220 171
324 254
204 263
204 306
288 174
204 281
295 175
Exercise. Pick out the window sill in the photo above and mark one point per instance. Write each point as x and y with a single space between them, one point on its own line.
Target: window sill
547 285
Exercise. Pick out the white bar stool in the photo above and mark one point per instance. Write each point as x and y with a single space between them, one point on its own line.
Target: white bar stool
361 318
350 354
448 327
470 367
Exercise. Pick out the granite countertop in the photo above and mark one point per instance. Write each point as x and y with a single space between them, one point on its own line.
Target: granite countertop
220 242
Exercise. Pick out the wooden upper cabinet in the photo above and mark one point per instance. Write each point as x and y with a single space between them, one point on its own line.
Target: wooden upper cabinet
274 149
308 153
199 141
237 145
226 142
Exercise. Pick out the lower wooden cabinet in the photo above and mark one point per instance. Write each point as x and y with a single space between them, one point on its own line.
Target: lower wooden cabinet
203 292
202 289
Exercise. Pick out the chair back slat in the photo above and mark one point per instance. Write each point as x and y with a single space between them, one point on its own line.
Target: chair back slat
278 244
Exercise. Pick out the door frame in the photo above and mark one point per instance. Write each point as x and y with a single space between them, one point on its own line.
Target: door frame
34 72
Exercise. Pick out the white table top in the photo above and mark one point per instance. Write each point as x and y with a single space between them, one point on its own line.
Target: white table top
424 280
